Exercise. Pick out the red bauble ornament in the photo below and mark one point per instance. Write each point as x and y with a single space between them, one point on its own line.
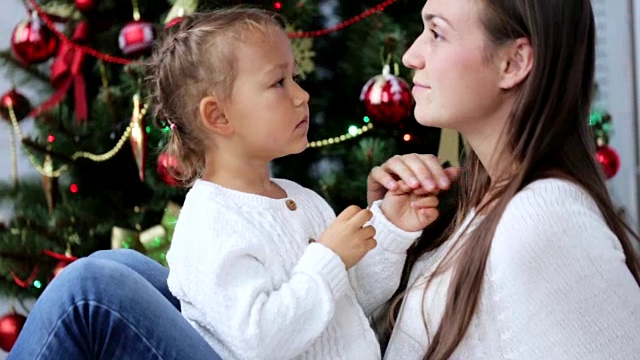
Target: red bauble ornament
609 160
136 38
387 99
32 42
166 166
10 326
21 105
86 7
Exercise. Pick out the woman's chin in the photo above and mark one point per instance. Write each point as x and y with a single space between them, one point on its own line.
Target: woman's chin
430 119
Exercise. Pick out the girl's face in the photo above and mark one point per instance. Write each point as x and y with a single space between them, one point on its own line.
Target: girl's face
269 111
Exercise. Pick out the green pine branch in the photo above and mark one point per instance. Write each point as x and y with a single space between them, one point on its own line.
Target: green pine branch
20 75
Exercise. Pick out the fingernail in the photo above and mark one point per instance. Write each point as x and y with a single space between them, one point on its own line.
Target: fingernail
413 182
429 185
391 184
444 182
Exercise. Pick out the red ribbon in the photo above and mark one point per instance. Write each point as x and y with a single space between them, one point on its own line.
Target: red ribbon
28 281
66 70
60 257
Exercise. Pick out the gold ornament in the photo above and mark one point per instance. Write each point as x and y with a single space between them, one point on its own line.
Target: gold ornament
48 169
122 238
49 184
180 9
304 54
138 136
154 241
14 160
65 11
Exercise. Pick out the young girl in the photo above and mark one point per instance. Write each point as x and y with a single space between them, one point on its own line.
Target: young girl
536 264
262 267
259 265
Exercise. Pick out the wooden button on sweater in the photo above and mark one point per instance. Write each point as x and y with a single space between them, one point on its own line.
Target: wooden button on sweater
291 205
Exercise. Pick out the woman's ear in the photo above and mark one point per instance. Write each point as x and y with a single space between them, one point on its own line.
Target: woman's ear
516 63
213 117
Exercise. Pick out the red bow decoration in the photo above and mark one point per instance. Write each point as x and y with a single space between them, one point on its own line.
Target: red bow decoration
67 70
28 281
64 259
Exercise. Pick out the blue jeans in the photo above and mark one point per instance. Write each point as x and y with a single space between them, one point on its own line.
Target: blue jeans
114 304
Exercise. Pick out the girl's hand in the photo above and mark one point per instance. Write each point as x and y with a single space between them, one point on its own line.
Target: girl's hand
408 209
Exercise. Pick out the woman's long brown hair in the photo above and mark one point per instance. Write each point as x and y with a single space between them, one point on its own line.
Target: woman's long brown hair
548 135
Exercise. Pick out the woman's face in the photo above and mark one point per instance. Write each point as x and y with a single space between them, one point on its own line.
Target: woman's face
455 80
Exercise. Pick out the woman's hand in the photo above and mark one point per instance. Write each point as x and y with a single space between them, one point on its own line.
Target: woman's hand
414 171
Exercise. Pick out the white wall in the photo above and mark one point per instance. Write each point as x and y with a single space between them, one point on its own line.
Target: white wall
634 131
12 12
617 79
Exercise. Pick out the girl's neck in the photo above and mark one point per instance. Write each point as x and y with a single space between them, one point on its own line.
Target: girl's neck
245 176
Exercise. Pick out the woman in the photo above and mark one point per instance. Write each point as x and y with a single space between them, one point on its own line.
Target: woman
535 264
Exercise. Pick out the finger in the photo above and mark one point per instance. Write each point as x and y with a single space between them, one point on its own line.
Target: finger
370 244
367 232
398 166
380 177
359 219
440 178
348 213
421 169
425 202
428 215
453 173
378 183
422 192
403 188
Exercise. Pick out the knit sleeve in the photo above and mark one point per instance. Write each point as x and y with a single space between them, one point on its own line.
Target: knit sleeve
227 284
377 276
562 287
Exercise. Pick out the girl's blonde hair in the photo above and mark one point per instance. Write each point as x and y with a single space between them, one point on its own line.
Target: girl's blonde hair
191 60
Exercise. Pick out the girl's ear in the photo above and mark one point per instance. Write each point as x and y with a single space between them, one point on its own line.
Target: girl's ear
212 116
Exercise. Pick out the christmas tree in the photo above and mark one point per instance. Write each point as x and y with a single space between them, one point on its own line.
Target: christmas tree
104 183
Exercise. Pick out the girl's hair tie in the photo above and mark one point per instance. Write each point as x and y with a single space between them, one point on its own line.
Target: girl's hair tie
172 125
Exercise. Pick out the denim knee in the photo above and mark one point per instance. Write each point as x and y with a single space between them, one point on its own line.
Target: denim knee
118 254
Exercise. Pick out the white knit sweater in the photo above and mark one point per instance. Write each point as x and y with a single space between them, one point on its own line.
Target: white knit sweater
249 281
556 287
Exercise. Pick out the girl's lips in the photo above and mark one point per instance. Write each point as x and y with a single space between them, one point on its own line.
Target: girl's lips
303 122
